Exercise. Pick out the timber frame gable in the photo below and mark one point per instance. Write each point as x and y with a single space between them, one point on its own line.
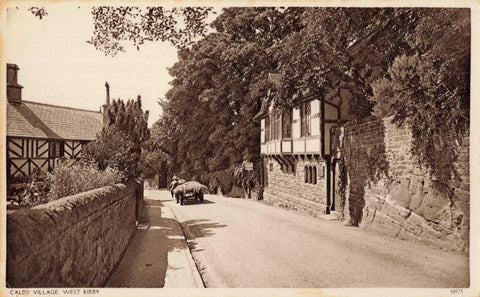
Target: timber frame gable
39 134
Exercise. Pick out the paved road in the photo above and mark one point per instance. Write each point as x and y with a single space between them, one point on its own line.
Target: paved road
244 243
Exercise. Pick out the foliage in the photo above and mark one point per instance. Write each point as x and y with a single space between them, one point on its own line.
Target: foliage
114 25
246 178
250 179
152 162
340 48
39 12
217 89
73 177
220 80
342 184
69 177
429 90
35 190
119 145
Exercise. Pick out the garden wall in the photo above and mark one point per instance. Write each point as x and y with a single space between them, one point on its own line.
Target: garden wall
75 241
389 192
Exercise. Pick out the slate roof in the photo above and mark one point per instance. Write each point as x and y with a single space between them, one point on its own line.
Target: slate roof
32 119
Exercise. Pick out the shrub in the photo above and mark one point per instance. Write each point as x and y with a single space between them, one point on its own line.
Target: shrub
35 190
73 177
415 92
113 149
119 144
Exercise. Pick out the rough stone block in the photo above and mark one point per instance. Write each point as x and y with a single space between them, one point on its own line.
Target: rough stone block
394 210
384 225
400 192
415 225
436 204
417 203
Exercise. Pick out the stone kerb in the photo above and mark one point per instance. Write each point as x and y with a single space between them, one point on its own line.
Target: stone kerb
73 242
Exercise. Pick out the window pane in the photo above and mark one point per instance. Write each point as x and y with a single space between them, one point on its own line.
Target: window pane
287 123
305 119
305 173
267 129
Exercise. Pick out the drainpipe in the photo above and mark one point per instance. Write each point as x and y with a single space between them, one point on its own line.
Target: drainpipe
324 156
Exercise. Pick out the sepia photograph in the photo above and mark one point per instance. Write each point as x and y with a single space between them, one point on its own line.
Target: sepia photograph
239 149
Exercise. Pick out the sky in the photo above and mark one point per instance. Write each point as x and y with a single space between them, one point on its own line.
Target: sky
57 65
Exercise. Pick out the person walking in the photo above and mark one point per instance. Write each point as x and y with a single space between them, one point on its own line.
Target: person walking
173 184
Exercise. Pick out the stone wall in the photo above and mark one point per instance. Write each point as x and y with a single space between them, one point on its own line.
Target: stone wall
73 242
289 189
389 192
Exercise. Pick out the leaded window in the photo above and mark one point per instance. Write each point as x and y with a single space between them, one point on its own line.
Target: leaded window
305 111
287 123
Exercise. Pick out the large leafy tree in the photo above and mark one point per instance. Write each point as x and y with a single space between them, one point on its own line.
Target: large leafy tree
217 89
116 26
341 48
119 145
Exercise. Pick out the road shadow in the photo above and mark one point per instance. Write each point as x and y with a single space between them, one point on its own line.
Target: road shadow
145 261
192 202
194 229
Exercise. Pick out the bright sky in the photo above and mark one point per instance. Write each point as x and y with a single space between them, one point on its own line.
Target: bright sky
57 66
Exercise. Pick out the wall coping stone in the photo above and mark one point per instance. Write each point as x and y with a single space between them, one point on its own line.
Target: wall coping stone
28 228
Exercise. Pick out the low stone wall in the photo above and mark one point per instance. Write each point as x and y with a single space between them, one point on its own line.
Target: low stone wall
73 242
389 192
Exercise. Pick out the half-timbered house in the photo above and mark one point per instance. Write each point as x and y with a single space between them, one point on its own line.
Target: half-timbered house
38 134
300 169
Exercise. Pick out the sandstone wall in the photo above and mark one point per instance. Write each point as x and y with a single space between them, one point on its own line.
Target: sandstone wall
389 192
73 242
289 190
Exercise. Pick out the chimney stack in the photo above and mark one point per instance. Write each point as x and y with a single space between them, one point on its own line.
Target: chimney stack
14 90
107 102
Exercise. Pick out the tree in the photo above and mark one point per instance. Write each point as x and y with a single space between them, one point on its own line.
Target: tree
221 79
430 89
116 25
119 145
217 89
340 48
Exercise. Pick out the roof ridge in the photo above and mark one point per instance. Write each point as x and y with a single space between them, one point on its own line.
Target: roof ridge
60 106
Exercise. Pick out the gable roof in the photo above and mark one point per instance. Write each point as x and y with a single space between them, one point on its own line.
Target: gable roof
32 119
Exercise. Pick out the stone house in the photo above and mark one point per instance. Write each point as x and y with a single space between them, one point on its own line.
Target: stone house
37 134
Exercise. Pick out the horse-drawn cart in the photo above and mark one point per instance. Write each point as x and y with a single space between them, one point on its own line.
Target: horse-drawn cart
188 191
